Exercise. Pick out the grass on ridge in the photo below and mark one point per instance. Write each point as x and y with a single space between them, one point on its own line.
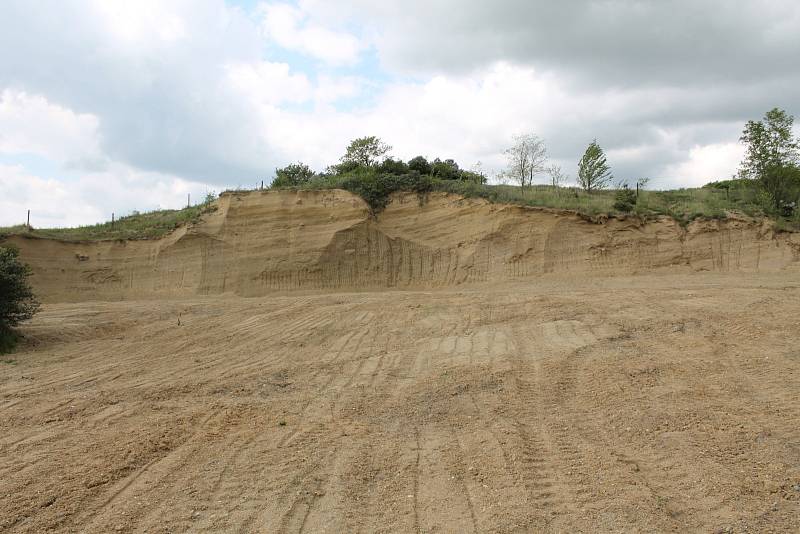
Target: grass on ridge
146 225
683 205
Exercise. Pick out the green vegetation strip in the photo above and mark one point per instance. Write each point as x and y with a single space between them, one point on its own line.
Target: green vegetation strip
714 201
683 205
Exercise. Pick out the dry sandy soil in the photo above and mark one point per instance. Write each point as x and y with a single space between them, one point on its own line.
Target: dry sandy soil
626 404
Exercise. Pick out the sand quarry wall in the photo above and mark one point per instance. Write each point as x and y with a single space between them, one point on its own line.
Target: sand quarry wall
261 242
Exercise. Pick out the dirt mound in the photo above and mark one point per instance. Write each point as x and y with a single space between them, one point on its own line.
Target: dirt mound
261 242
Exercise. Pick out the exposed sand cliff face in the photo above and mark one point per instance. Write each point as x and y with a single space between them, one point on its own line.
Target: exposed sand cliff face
261 242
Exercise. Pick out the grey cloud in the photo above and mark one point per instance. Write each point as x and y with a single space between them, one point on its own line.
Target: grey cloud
616 42
695 68
160 107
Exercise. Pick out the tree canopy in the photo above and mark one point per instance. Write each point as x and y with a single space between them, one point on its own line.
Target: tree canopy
769 143
771 160
366 151
419 164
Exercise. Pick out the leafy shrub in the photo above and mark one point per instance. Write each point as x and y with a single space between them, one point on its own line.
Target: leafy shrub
445 170
376 188
625 200
293 175
392 166
17 301
782 186
345 167
735 184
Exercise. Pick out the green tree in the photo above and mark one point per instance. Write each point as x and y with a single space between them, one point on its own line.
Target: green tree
293 175
366 151
770 144
392 166
445 170
345 167
782 185
593 170
17 301
420 164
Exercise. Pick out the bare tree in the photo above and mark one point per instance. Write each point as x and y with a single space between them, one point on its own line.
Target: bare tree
557 176
526 158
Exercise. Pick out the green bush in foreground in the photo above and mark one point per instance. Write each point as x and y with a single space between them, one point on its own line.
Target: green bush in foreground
17 301
625 200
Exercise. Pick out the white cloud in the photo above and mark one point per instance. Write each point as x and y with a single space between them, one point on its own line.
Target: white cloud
471 117
91 197
291 28
467 118
93 186
161 96
330 89
31 124
51 201
144 22
707 163
268 83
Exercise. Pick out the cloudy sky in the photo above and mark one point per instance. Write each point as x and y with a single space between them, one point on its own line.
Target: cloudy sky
117 105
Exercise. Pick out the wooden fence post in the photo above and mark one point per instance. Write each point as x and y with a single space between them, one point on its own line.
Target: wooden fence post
28 224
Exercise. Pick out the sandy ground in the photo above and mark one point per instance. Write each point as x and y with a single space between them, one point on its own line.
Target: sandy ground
636 404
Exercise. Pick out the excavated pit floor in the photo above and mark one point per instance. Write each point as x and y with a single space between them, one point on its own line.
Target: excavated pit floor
624 404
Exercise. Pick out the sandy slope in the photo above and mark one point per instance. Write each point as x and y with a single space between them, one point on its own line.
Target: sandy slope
612 377
647 403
